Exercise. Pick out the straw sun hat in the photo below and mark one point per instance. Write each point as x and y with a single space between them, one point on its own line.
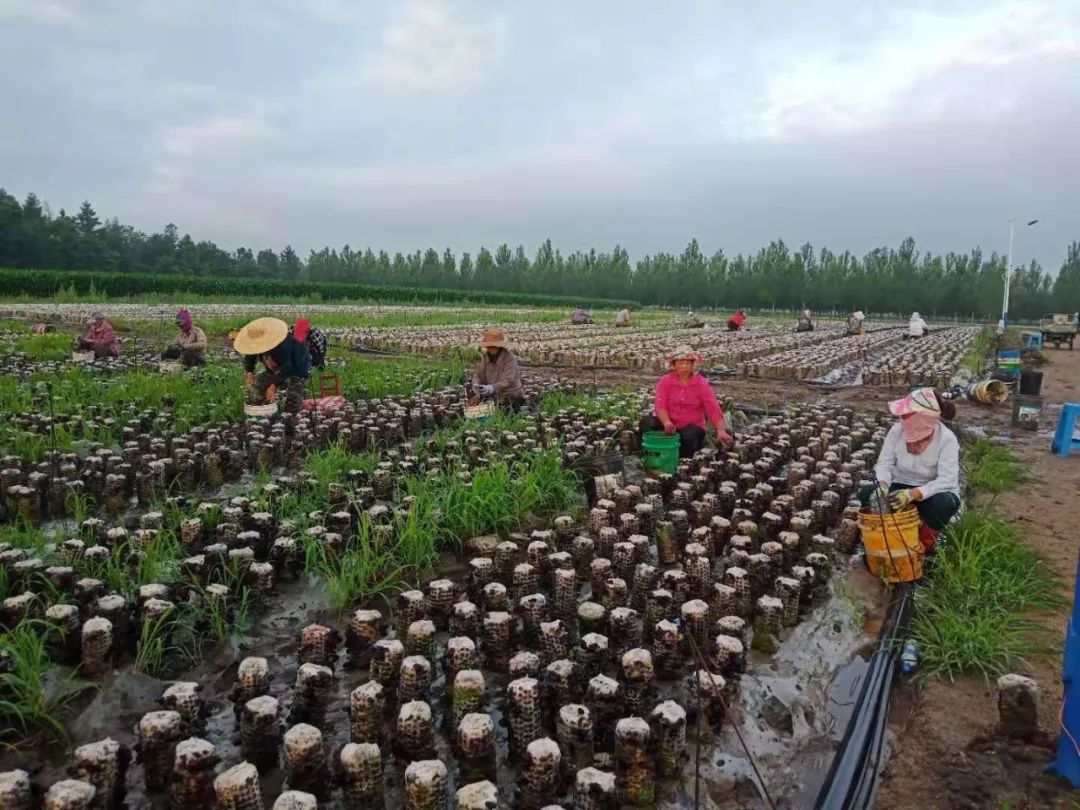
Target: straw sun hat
683 352
494 339
260 336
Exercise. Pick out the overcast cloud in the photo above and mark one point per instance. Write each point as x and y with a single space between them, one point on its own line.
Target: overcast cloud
417 123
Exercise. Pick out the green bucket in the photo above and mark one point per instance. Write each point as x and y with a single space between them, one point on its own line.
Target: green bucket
659 451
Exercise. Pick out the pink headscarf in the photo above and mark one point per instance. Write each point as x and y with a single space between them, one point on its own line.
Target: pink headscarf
919 414
183 319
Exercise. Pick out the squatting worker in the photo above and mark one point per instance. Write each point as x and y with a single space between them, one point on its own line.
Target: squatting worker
919 462
736 321
100 338
806 322
314 338
684 400
622 318
286 361
189 345
497 375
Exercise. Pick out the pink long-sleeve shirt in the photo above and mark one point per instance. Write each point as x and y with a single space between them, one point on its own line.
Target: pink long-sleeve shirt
687 404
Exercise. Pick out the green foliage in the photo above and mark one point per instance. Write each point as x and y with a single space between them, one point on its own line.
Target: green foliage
83 286
365 571
33 691
973 612
42 348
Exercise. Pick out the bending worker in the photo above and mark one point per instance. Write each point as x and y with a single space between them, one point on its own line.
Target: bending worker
580 317
285 359
314 339
855 323
693 321
100 338
497 375
622 318
684 400
736 321
919 463
189 345
916 327
806 322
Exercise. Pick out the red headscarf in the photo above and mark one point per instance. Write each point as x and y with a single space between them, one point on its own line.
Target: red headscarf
301 329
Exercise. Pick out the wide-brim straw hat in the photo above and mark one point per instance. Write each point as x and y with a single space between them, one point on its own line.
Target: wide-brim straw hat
684 352
493 339
260 336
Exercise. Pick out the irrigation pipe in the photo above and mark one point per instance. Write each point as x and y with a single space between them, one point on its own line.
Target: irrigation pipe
853 776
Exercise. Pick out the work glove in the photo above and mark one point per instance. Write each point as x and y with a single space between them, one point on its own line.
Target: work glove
902 498
487 390
882 490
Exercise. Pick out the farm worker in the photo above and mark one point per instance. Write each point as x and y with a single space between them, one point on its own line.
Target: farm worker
286 360
684 401
1001 326
623 317
100 337
693 321
314 338
736 321
580 316
855 323
916 326
806 322
189 345
919 462
497 375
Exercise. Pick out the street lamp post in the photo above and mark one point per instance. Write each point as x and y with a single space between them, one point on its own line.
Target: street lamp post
1009 271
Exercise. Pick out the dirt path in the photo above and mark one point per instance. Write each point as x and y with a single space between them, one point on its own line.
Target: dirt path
947 754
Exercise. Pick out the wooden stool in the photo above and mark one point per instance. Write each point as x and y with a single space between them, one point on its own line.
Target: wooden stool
329 385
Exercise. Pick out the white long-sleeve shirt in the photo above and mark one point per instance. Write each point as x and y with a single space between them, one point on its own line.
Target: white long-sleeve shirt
916 327
936 469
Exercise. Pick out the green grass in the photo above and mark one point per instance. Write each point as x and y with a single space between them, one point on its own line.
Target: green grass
991 467
975 611
33 691
973 616
43 348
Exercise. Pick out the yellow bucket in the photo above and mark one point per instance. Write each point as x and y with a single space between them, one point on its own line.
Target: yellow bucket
893 550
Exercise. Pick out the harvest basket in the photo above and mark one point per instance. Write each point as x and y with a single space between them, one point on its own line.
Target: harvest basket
82 357
481 411
261 410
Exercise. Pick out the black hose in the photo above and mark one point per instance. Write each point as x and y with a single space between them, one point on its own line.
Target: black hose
852 780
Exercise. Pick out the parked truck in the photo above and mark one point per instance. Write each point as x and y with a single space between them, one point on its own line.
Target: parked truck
1058 328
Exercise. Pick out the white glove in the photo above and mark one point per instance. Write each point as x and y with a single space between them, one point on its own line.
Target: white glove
487 390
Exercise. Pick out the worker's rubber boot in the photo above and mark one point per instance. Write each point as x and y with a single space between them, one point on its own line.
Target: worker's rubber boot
928 537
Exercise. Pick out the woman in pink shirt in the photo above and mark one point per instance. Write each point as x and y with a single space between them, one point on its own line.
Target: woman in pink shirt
684 401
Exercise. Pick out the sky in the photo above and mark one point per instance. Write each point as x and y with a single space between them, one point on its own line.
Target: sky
415 123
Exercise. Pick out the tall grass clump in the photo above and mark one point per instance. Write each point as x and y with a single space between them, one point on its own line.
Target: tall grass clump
34 692
973 614
974 611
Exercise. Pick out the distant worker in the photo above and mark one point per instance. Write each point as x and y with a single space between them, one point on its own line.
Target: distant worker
100 338
580 317
497 375
683 402
693 321
1001 326
623 318
314 339
916 327
919 463
736 321
855 323
806 322
189 345
286 362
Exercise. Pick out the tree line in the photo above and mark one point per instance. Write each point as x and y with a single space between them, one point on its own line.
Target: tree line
888 280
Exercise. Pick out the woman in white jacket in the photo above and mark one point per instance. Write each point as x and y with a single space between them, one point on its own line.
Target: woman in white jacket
919 462
916 327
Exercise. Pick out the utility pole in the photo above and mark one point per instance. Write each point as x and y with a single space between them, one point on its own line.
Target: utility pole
1009 271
